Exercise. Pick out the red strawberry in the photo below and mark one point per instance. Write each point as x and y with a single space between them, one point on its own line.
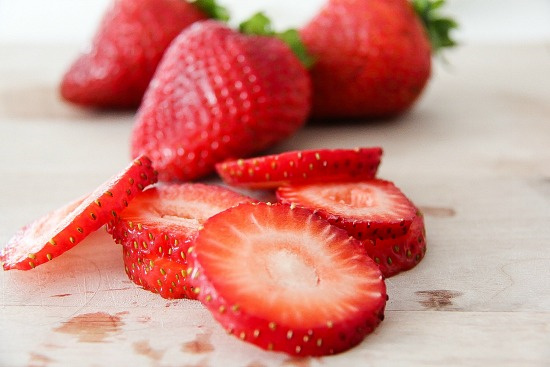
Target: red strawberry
126 50
62 229
305 166
163 221
395 255
285 279
219 94
366 210
372 56
157 274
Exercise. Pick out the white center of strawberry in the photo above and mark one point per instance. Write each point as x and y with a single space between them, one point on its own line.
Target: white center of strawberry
291 270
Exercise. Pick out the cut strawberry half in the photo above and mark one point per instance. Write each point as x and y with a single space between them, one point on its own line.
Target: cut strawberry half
164 220
298 167
373 209
60 230
159 275
284 279
395 255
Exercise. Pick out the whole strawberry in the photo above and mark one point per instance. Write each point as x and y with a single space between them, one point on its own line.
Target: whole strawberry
218 94
125 51
373 57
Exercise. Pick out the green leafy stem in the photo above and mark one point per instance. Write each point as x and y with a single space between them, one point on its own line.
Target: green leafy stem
212 9
437 26
259 24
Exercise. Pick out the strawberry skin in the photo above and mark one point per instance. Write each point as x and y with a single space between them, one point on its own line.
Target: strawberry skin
395 255
299 167
62 229
373 209
125 52
164 220
157 274
219 94
373 58
307 287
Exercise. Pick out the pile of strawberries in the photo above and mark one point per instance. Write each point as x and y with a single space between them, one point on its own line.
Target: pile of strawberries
304 275
207 92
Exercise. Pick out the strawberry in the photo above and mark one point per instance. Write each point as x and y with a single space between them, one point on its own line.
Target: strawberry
62 229
307 166
157 274
217 94
284 279
373 209
115 71
395 255
373 57
164 220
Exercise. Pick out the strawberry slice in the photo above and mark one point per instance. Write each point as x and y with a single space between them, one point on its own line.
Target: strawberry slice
297 167
366 210
284 279
60 230
159 275
164 220
395 255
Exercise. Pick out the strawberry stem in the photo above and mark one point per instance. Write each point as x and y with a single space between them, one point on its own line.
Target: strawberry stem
212 9
260 25
437 26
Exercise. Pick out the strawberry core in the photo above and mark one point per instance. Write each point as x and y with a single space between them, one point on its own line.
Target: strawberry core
291 270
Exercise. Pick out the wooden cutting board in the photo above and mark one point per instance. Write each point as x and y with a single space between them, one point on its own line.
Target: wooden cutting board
474 154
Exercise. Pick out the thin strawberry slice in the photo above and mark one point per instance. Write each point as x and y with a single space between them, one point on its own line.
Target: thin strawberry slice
164 220
284 279
297 167
159 275
373 209
60 230
395 255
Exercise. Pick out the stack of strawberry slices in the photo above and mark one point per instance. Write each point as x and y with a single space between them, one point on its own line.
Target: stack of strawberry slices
304 276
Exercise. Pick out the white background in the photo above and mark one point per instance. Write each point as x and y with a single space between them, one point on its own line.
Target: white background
74 21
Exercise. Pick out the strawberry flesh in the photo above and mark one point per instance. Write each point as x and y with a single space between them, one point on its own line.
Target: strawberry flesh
372 209
284 279
164 220
300 167
62 229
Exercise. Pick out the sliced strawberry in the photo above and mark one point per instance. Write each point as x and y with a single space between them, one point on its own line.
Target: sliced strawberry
284 279
297 167
163 221
159 275
366 210
60 230
395 255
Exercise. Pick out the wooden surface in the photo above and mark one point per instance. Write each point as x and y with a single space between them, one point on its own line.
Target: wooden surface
474 154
